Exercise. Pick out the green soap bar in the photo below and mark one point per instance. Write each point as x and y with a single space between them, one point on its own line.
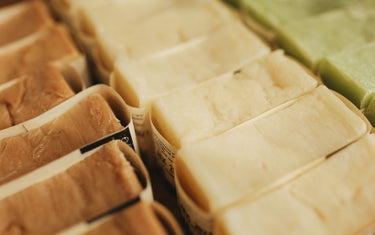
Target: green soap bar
370 111
273 13
351 73
312 39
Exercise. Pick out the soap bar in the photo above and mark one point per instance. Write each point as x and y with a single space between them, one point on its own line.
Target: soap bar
163 29
49 44
86 122
336 197
105 16
275 13
185 117
89 188
22 19
351 73
138 219
33 94
261 154
188 64
370 111
312 39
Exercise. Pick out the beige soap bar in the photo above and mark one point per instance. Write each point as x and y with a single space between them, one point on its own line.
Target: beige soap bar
264 152
163 29
94 17
138 219
336 197
87 121
32 95
22 19
185 117
230 47
46 45
85 190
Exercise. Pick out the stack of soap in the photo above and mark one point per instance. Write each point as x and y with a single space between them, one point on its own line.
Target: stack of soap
31 95
336 197
273 14
162 30
68 193
188 116
225 50
312 39
27 18
85 122
351 73
309 30
261 154
88 19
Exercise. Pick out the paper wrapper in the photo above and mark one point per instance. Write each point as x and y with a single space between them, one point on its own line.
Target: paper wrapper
165 217
116 103
199 221
142 126
165 154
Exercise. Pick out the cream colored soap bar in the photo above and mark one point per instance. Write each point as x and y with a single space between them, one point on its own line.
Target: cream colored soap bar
106 16
101 181
336 197
267 151
223 102
164 29
230 47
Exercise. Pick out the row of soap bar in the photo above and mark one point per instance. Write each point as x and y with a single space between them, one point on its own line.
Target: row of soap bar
242 127
335 39
46 184
159 48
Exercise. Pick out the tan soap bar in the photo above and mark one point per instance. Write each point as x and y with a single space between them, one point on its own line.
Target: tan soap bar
31 95
49 44
94 185
136 219
87 121
185 117
228 48
260 154
162 30
22 19
336 197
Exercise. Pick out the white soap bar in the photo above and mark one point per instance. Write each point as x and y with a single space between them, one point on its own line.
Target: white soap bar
264 152
337 197
227 49
223 102
164 29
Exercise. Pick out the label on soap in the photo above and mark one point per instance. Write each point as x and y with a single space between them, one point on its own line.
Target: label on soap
143 133
126 135
165 154
196 220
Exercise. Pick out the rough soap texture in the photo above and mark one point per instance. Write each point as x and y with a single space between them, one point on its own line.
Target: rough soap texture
32 95
87 189
31 16
84 123
51 44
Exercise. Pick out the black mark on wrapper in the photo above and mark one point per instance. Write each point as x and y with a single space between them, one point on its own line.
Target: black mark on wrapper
114 210
123 135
